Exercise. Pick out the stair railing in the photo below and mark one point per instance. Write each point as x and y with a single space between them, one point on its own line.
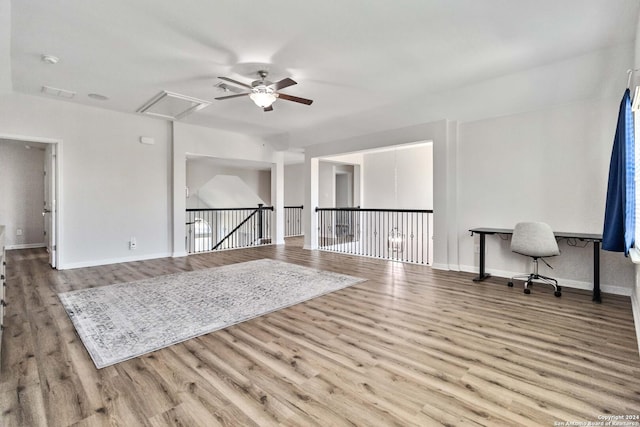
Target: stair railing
250 227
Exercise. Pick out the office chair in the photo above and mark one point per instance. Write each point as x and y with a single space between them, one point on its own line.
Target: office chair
535 240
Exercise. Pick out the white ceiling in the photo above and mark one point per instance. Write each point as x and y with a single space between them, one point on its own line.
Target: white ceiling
350 57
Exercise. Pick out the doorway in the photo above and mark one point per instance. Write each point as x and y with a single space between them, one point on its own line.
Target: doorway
31 212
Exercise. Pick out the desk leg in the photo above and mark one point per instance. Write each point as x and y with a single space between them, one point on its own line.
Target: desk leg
482 275
596 272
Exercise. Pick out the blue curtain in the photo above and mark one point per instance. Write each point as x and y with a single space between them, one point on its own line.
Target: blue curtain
619 215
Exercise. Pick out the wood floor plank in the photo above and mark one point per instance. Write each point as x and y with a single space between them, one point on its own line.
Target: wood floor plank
23 407
410 346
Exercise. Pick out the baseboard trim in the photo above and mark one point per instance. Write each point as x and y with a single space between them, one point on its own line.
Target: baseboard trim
440 266
26 246
95 263
635 308
567 283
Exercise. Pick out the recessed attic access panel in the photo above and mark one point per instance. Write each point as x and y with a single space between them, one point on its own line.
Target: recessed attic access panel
172 106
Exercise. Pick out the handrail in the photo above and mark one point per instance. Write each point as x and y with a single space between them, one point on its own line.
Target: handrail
358 209
294 207
260 208
264 208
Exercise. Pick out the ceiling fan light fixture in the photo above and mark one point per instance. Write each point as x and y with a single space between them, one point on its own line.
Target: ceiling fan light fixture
263 96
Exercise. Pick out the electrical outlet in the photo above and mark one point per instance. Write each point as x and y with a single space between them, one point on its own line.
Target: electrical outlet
132 243
476 249
19 232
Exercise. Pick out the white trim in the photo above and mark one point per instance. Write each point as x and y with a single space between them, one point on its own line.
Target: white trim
565 283
24 138
440 266
26 246
59 186
179 254
635 308
83 264
326 249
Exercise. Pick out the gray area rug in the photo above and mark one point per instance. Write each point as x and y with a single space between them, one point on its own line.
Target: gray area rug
126 320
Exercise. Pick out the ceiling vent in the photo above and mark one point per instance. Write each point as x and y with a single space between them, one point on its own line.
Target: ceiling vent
61 93
172 106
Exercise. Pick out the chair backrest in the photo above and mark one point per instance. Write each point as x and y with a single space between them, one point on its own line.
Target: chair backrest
534 239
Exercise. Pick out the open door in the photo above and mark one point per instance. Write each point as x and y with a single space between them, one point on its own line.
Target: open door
49 211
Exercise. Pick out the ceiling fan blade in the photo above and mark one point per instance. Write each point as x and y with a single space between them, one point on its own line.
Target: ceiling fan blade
295 99
229 88
269 108
284 83
235 82
232 96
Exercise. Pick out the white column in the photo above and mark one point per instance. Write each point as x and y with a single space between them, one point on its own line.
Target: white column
277 198
310 203
357 185
179 196
444 197
452 198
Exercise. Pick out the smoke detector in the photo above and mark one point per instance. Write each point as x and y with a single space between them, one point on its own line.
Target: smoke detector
50 59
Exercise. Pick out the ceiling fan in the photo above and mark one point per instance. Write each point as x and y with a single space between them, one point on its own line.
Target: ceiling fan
263 92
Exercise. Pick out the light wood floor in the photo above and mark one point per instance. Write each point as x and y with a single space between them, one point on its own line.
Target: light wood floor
410 346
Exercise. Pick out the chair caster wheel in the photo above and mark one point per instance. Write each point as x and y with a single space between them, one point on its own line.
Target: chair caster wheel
557 293
510 284
527 291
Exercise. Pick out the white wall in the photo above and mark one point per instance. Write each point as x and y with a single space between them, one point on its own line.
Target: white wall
549 165
197 140
561 115
344 189
443 146
401 178
5 46
22 194
327 185
226 192
201 172
294 179
112 187
595 74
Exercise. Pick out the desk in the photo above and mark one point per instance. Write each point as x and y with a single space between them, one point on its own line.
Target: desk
596 239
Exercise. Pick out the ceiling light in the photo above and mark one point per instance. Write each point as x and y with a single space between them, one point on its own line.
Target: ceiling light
98 96
263 96
50 59
172 106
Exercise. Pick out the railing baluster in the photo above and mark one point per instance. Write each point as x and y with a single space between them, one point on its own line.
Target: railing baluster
396 234
321 228
379 241
292 221
403 237
217 229
370 235
414 226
